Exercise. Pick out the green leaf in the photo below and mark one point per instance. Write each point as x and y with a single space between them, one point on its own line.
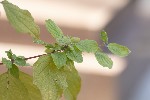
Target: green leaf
49 50
118 49
12 88
38 41
64 40
103 59
87 46
9 54
20 19
49 79
8 63
20 61
14 71
104 37
27 80
53 29
75 55
75 39
56 32
59 59
73 80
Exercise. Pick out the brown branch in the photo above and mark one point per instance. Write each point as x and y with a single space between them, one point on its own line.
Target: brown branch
30 58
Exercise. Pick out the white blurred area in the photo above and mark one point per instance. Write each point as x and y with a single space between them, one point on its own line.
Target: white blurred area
82 14
74 16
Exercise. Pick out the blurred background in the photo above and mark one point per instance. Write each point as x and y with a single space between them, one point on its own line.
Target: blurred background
127 22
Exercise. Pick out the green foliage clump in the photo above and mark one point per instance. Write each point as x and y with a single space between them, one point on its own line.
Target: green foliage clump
54 73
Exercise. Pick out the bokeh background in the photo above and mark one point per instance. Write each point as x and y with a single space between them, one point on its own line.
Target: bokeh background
127 22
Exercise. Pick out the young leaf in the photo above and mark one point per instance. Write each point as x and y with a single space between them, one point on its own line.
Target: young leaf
49 79
56 32
12 88
14 71
53 29
87 46
8 63
59 59
73 80
103 59
20 61
118 49
75 55
64 40
103 37
75 39
49 50
9 54
20 19
38 41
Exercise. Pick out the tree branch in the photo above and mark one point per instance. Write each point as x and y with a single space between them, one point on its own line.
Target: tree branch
30 58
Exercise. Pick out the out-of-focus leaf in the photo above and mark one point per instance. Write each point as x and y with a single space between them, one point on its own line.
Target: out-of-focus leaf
118 49
53 29
33 91
20 19
6 62
9 54
103 59
12 88
89 46
22 88
104 37
14 71
73 80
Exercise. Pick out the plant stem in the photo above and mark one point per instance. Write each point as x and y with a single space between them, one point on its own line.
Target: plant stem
30 58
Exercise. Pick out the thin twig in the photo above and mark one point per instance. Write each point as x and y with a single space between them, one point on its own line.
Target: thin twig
30 58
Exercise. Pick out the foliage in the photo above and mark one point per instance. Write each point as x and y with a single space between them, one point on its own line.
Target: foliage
54 73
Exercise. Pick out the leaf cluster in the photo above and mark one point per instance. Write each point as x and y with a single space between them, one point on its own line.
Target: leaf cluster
54 73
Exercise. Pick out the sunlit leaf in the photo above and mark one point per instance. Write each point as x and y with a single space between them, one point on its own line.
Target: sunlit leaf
49 79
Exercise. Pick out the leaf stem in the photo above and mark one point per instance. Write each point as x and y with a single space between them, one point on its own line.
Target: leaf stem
29 57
